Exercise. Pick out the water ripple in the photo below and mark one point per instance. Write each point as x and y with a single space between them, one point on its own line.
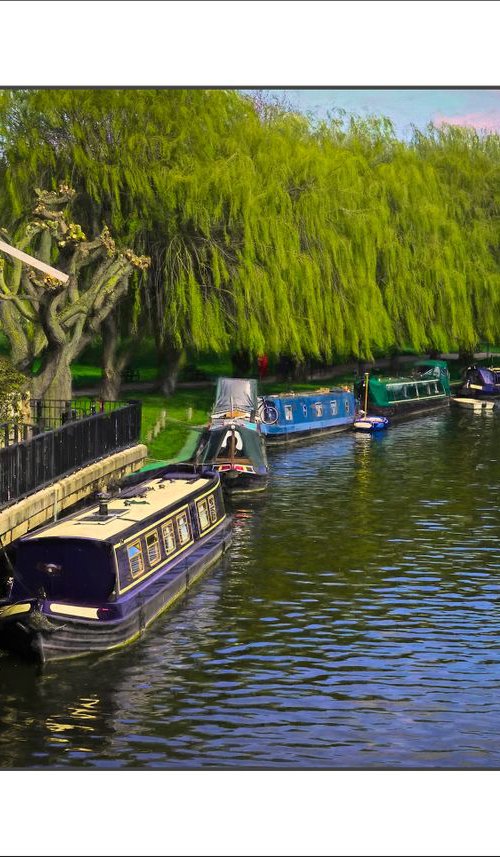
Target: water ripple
355 623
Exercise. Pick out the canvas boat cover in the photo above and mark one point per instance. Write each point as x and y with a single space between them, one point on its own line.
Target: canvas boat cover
484 375
235 394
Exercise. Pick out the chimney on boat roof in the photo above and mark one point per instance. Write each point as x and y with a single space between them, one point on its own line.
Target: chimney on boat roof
103 504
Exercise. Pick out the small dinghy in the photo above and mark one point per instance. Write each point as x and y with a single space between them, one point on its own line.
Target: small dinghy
366 423
473 404
370 423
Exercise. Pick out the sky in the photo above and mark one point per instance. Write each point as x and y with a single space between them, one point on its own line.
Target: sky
479 108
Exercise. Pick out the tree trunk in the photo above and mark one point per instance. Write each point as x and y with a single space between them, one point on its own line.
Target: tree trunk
242 362
395 364
110 384
170 362
112 364
54 380
465 356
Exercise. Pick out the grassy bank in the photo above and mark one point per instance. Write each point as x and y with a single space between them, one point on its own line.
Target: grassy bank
185 410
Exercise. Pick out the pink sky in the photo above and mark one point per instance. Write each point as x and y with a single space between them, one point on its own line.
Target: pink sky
485 121
476 107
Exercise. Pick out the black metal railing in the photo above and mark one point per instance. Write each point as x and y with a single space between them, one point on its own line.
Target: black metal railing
16 432
52 413
43 458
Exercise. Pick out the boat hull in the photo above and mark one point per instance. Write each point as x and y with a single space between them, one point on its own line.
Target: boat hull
243 483
414 407
36 633
370 424
287 437
489 391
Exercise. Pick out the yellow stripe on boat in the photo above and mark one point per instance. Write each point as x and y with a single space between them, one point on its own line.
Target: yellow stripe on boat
15 608
73 610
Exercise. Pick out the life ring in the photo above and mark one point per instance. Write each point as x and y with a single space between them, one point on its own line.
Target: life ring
269 414
237 437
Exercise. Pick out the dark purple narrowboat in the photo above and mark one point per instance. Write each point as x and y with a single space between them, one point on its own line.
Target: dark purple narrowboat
481 381
93 582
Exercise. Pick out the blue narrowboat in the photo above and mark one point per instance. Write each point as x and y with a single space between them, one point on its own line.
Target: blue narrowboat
290 417
480 381
93 582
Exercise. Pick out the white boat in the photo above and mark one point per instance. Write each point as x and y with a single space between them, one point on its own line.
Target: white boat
474 404
370 424
366 423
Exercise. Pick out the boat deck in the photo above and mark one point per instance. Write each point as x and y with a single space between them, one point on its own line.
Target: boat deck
126 511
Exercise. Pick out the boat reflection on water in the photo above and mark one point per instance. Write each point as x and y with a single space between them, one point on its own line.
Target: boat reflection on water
63 716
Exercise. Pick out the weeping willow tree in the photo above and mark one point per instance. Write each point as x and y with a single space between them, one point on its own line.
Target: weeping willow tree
44 318
266 231
163 169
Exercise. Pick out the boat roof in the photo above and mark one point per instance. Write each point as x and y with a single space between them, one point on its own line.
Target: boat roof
398 379
128 511
441 363
311 394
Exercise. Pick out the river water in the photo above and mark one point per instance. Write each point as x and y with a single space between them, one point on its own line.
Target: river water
354 623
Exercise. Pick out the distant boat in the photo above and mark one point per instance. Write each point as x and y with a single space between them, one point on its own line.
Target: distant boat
473 404
94 581
232 444
365 422
370 424
480 381
290 417
427 388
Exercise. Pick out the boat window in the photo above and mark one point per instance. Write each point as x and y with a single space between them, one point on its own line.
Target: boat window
333 409
135 559
183 528
395 391
318 407
347 406
169 537
153 548
288 412
203 515
304 410
212 508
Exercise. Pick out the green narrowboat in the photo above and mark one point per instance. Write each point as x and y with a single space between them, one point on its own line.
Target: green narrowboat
425 389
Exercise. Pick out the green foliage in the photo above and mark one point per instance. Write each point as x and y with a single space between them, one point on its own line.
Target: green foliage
12 382
268 232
